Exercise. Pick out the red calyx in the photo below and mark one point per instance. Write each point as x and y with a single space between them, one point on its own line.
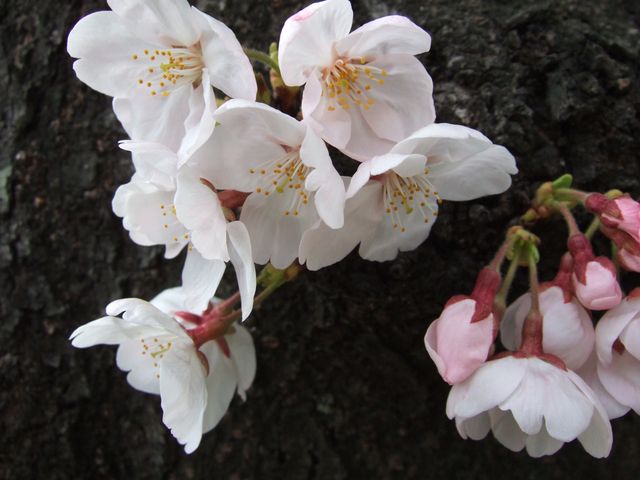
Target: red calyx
563 278
484 293
621 239
232 199
582 253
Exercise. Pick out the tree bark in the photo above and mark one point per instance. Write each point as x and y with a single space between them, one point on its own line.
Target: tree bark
344 387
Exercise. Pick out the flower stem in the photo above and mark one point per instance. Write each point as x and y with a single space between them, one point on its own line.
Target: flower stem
264 58
501 297
593 228
568 217
532 328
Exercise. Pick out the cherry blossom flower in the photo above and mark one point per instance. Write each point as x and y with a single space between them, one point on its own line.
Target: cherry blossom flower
460 340
438 162
628 249
161 207
364 90
595 280
567 326
155 48
284 166
195 384
618 348
529 402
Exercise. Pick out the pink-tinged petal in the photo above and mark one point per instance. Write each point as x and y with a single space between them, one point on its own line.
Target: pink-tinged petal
628 260
588 372
242 260
243 358
200 280
475 428
324 180
199 124
400 101
221 385
183 395
389 35
199 210
155 118
602 291
275 236
621 378
431 344
307 38
488 387
611 326
597 439
322 246
229 68
461 346
166 22
630 216
463 164
542 444
104 331
105 49
506 430
331 123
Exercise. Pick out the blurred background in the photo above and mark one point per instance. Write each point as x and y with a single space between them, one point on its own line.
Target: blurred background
344 387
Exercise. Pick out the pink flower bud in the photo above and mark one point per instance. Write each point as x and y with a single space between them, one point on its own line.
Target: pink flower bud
594 279
628 248
457 345
459 341
622 213
628 260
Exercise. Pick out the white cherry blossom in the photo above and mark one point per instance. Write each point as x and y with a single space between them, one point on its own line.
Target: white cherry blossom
529 402
283 165
438 162
155 48
364 90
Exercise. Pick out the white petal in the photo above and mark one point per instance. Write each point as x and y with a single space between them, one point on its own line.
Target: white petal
383 36
588 372
242 260
155 118
621 378
322 246
183 395
154 162
324 180
464 169
221 385
527 403
170 300
275 236
475 428
506 430
307 38
542 444
402 104
142 368
243 356
229 67
105 47
512 321
199 209
200 280
487 388
141 313
104 331
200 123
166 22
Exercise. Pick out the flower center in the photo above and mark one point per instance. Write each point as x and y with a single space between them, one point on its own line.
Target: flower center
166 70
350 82
405 196
155 349
285 176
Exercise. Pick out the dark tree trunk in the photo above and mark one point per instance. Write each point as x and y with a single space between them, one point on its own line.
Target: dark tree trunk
344 386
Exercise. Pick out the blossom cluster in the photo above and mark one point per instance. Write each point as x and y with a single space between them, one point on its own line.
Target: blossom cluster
560 378
225 175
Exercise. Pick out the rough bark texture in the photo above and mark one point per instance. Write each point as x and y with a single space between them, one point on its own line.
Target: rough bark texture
344 386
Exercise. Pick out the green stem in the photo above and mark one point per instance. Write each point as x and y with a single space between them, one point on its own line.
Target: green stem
593 228
569 194
263 57
501 297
